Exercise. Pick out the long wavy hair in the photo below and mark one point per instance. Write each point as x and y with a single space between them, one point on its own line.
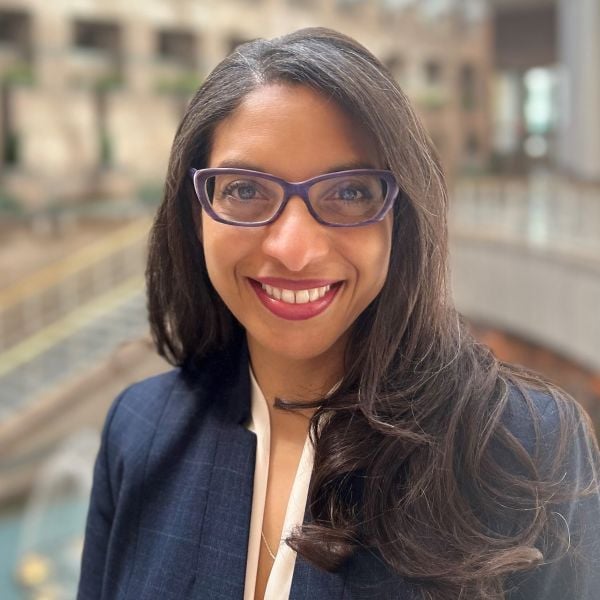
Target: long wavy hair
406 449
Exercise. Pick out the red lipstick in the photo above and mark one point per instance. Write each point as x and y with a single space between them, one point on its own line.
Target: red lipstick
290 311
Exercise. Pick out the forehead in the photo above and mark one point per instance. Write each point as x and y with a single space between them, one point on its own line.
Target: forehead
291 131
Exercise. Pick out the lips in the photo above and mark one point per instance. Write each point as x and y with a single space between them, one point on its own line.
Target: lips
295 300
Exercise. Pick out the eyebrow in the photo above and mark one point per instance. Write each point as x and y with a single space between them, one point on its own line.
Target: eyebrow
241 164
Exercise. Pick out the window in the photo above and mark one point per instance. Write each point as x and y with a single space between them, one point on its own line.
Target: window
97 35
472 146
433 72
177 46
16 46
15 33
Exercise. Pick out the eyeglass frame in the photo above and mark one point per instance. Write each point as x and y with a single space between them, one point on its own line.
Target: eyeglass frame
300 189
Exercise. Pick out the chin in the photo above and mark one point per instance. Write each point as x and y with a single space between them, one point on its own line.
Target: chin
300 347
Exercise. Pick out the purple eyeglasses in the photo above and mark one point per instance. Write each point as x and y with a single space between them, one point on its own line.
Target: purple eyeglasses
251 198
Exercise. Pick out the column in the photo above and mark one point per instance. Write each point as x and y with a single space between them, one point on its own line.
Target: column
579 48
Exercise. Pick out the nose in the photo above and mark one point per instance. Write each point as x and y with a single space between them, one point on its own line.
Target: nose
295 239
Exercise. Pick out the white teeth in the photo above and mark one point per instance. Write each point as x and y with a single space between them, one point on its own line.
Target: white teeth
302 297
288 296
296 297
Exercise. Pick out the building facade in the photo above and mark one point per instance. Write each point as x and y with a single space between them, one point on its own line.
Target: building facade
91 91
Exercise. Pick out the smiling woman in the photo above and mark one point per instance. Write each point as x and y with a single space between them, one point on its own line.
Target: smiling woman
331 430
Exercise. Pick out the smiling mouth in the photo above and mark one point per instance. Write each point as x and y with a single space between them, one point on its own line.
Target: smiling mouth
299 303
296 296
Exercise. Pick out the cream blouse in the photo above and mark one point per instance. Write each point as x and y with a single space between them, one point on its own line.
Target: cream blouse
280 578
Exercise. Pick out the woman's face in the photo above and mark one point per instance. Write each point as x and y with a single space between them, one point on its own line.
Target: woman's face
295 133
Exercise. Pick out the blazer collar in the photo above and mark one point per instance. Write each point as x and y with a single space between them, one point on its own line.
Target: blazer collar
224 374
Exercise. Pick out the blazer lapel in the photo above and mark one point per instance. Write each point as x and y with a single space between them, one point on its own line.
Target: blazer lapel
221 567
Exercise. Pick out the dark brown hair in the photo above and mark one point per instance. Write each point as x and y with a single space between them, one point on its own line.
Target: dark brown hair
413 456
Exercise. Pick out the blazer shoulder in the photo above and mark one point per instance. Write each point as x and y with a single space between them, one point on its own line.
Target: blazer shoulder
142 403
557 434
534 416
177 405
136 414
162 402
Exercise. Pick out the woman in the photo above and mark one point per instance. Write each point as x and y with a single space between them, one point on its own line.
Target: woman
316 341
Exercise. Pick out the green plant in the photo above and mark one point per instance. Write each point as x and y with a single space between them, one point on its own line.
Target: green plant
432 99
106 150
108 83
11 148
184 84
18 74
9 205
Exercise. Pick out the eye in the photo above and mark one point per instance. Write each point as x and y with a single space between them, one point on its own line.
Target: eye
241 190
353 193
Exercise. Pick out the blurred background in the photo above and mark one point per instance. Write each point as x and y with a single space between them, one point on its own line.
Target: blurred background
91 93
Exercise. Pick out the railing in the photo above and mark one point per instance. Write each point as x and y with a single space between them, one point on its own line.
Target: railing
44 297
526 259
543 211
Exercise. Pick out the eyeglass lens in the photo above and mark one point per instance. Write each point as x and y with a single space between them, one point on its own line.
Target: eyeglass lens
339 200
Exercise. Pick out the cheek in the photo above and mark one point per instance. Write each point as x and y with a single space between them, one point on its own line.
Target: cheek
368 251
226 251
217 252
374 252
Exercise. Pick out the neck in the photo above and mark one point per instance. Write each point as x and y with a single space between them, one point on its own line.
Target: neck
294 380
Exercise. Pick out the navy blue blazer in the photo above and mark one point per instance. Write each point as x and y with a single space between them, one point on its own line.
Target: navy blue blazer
170 507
